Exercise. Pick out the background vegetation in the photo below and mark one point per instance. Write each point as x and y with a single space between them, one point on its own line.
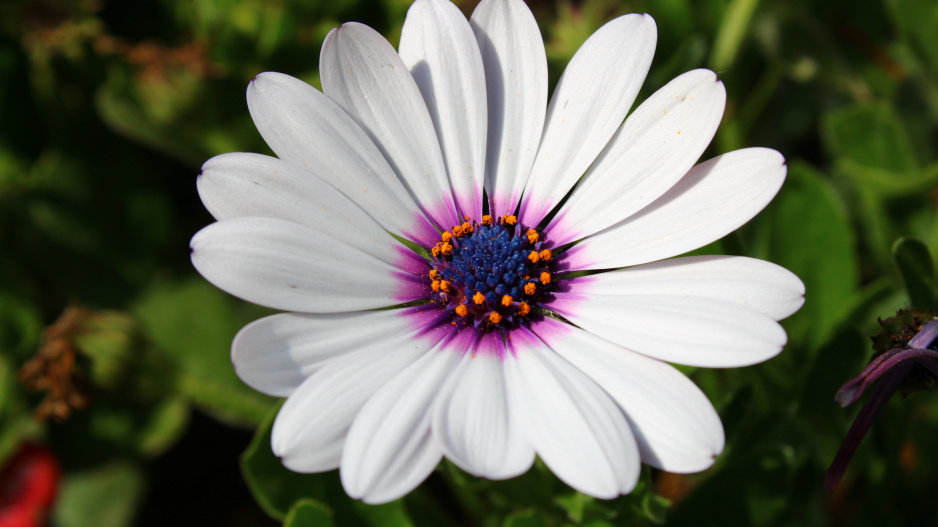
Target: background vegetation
108 108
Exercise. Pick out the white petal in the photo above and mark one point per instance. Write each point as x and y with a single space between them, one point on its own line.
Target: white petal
658 143
363 73
516 87
476 418
390 448
590 101
757 284
675 425
577 430
276 354
440 50
695 331
306 128
286 266
714 199
236 185
312 425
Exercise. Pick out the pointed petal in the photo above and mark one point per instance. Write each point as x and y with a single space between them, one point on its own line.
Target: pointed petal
390 448
363 73
658 143
590 101
238 184
306 128
696 331
310 430
275 354
714 199
476 417
763 286
516 88
675 425
286 266
577 430
438 47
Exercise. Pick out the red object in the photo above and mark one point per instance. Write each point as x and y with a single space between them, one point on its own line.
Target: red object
28 485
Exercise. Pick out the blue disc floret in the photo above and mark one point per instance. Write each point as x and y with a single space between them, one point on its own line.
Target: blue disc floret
490 273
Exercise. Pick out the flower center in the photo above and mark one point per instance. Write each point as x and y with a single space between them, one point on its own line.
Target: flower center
490 274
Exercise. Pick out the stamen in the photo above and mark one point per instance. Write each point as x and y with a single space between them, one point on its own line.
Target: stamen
534 257
532 235
529 288
523 308
507 300
446 236
486 220
545 254
444 285
478 298
495 318
462 310
509 219
435 285
545 278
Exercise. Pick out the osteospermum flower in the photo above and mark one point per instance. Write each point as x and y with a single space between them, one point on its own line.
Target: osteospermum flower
438 287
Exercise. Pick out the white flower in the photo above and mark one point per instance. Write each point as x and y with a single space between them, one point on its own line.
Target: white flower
454 134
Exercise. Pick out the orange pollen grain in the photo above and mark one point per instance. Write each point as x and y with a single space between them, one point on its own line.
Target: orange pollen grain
435 285
534 257
447 248
446 236
444 285
478 298
545 278
486 220
495 317
462 310
507 300
523 308
529 288
545 254
532 235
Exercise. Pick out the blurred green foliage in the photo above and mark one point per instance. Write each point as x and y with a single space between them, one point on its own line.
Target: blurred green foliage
110 107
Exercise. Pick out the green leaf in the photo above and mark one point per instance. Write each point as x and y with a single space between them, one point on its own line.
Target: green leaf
734 27
808 233
523 519
871 136
105 496
918 21
308 513
194 323
918 271
277 489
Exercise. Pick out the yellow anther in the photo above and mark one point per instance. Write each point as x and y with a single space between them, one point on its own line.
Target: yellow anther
433 273
446 248
534 257
529 288
446 236
435 251
457 231
545 254
507 300
486 220
462 310
545 278
444 285
495 317
467 228
523 308
478 298
508 219
532 235
435 285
